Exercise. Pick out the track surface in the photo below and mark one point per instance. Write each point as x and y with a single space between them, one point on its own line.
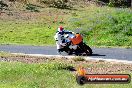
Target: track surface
105 53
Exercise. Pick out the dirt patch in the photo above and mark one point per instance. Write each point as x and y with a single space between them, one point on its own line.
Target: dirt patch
92 66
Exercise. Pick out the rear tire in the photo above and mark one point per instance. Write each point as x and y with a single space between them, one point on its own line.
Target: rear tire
67 50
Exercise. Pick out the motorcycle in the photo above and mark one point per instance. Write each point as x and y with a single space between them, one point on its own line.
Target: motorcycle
73 44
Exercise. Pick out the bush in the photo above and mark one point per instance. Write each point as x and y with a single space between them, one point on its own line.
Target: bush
61 4
32 8
3 5
105 1
119 3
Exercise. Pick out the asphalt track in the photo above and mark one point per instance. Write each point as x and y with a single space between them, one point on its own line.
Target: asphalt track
105 53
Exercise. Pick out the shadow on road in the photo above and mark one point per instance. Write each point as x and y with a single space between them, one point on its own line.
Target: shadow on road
97 55
93 55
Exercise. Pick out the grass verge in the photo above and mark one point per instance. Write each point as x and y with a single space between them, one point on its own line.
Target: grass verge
43 72
100 26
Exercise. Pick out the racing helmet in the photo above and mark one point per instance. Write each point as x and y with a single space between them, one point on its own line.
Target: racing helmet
61 28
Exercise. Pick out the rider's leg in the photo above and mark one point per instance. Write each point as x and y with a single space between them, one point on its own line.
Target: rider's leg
58 48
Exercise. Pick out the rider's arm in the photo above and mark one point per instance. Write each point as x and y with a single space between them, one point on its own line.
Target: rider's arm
68 32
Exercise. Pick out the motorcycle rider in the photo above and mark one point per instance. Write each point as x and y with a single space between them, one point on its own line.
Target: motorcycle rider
59 37
71 43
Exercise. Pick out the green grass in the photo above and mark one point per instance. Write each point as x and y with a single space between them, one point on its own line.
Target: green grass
101 26
105 26
44 75
25 34
79 59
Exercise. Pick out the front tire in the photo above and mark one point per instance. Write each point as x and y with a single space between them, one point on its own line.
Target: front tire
88 50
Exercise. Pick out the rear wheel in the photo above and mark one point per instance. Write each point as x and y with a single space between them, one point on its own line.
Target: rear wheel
67 50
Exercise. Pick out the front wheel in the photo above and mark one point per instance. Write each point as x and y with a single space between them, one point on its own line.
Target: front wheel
87 49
